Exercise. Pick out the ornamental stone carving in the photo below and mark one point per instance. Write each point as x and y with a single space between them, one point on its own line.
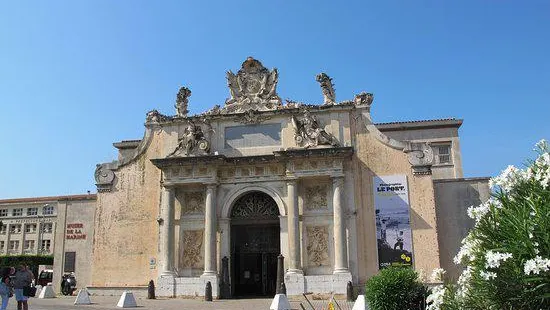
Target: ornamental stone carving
308 133
251 117
192 249
317 246
421 157
104 178
255 205
316 197
253 88
327 88
364 99
193 203
192 142
182 99
155 116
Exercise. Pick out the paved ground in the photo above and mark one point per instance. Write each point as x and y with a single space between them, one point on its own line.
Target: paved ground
109 302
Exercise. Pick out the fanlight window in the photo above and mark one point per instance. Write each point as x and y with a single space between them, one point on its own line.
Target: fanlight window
255 205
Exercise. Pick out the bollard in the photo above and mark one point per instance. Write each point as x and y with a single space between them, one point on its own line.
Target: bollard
151 290
225 291
208 292
280 275
349 291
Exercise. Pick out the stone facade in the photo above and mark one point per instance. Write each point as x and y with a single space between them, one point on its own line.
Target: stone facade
257 178
61 226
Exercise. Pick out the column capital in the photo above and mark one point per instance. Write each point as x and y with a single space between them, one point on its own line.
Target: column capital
291 181
168 187
337 179
212 185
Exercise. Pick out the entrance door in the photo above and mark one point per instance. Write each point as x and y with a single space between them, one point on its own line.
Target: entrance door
255 245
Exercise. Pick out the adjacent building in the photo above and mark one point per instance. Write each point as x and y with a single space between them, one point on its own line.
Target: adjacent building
60 226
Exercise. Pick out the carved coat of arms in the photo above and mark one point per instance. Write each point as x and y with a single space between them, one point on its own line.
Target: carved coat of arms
253 88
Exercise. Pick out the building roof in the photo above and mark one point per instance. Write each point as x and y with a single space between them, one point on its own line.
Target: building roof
127 144
420 124
50 198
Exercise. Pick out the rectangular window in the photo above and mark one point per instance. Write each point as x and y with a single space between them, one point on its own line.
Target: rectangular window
29 244
14 245
2 245
47 210
70 258
17 212
442 153
3 212
15 228
32 211
3 228
47 227
45 246
253 135
30 228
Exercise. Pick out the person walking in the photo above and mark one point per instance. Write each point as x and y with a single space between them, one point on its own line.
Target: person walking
23 278
5 292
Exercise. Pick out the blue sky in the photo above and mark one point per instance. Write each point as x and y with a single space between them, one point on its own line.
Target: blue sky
76 76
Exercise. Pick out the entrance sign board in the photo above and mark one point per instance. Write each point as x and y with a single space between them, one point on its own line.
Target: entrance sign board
393 229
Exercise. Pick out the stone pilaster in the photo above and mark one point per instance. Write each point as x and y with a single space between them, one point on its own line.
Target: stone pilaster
339 221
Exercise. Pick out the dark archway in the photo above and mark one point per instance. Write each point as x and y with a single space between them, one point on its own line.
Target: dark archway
255 245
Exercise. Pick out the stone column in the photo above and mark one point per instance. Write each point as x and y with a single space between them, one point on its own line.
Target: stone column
210 267
294 260
339 222
167 231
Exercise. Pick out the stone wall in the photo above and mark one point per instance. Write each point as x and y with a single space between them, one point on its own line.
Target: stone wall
434 135
453 197
374 158
126 230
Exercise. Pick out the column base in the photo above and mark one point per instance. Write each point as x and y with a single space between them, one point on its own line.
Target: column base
294 271
340 270
167 273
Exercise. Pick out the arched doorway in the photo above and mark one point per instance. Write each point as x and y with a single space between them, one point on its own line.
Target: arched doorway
255 245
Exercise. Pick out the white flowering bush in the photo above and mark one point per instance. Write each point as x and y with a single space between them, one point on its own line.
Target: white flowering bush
507 254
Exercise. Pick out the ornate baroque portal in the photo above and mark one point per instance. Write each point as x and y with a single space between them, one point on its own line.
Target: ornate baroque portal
255 245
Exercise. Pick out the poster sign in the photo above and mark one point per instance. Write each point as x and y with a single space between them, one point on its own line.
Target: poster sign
393 228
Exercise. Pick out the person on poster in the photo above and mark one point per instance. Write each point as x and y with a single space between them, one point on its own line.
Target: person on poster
399 242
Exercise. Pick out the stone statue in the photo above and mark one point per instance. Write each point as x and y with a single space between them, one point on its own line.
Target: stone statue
364 99
253 88
327 87
155 116
192 142
182 100
308 133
